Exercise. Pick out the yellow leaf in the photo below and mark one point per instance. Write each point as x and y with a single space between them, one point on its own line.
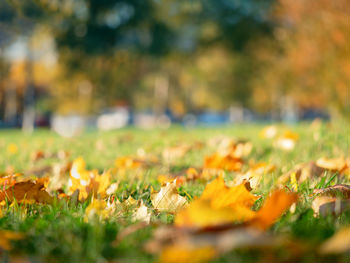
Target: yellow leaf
223 196
294 182
96 210
200 213
179 254
7 236
12 148
168 199
218 205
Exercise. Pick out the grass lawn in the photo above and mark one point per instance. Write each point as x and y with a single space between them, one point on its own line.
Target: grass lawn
59 232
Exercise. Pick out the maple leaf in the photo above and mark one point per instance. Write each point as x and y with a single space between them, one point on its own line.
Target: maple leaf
27 191
141 213
274 206
100 183
168 199
88 182
218 204
97 209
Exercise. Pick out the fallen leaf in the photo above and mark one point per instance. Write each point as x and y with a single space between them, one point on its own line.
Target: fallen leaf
338 243
7 236
253 176
37 155
225 162
333 164
97 209
218 204
185 254
327 205
275 205
141 214
172 154
12 148
337 190
126 162
168 199
302 172
88 182
27 191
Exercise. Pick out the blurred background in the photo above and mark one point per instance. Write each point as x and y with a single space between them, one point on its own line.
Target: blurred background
72 64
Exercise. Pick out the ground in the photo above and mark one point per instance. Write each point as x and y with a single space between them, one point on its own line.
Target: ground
59 232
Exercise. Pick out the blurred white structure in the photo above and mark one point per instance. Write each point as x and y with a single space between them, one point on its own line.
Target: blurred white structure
149 121
114 119
69 125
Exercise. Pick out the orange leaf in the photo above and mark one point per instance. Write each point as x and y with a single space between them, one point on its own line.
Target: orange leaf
278 202
27 191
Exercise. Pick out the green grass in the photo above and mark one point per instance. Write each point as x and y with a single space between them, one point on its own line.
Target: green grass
58 233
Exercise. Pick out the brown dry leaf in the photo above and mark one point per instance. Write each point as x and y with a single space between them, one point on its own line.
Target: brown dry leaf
168 199
7 236
218 240
337 190
338 243
331 200
327 205
302 172
27 191
39 171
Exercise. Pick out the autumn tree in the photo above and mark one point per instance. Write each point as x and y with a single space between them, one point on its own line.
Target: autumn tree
309 57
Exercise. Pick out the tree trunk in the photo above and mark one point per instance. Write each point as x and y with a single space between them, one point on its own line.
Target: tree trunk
28 120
